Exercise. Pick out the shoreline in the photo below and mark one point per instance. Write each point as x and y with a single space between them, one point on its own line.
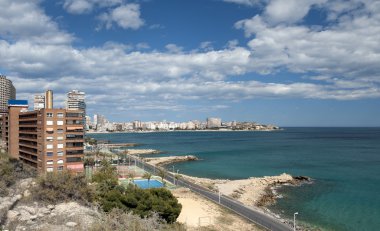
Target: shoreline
205 130
254 192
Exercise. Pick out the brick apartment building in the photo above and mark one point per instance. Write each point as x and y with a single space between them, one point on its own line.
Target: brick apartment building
47 139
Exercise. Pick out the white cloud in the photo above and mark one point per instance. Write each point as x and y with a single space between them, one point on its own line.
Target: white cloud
24 20
289 11
125 16
343 58
86 6
172 48
348 49
246 2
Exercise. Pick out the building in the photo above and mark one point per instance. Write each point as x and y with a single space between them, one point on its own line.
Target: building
214 122
39 102
7 92
48 139
76 100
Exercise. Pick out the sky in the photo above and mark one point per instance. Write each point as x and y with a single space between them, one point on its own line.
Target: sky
289 63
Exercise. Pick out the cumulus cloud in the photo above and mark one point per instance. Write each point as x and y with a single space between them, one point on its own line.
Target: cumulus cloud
289 11
343 59
24 20
125 16
348 49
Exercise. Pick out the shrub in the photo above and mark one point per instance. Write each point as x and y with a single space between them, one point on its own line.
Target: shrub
143 202
118 220
56 187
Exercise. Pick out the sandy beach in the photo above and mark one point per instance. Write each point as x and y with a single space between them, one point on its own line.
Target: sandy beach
199 213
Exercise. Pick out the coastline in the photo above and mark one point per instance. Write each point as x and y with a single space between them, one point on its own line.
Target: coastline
254 192
204 130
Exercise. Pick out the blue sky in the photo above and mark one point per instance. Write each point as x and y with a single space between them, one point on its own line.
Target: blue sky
291 63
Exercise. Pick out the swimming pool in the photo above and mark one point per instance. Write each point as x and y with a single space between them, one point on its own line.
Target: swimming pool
152 183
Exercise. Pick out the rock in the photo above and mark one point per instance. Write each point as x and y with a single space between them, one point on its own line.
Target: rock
71 224
24 215
27 193
33 217
44 210
12 215
30 210
302 178
18 197
51 207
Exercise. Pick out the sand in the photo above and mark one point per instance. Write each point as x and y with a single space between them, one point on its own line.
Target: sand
142 151
198 212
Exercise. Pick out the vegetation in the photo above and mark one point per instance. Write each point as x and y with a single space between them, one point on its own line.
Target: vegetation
143 202
133 199
12 170
56 187
118 220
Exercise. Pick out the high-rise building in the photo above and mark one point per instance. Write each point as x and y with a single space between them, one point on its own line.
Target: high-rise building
76 100
48 139
39 102
214 122
7 92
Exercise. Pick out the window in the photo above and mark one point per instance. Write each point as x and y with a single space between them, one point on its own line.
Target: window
49 146
49 162
60 153
60 146
49 122
60 138
60 131
49 154
49 115
59 122
73 159
60 115
49 138
49 169
60 162
60 168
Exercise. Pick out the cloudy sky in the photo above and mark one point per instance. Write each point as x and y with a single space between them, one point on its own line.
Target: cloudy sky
291 63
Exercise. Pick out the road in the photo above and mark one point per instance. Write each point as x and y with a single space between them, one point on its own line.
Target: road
256 216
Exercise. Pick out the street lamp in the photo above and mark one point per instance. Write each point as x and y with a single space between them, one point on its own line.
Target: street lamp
294 221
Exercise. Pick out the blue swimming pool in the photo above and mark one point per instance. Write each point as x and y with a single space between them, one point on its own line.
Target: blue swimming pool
152 183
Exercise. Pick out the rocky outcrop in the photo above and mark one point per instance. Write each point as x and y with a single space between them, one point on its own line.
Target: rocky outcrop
64 216
15 194
170 159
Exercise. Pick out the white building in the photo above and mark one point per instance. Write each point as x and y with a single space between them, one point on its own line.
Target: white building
213 122
39 102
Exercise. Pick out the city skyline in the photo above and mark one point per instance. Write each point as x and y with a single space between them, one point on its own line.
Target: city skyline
311 63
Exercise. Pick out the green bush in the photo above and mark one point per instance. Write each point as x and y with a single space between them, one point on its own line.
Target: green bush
56 187
143 202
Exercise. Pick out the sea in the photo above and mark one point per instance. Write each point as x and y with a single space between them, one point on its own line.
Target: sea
344 164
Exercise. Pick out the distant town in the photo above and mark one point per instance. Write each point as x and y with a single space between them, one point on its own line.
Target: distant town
101 124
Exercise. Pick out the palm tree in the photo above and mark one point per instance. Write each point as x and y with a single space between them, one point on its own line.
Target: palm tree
147 176
162 174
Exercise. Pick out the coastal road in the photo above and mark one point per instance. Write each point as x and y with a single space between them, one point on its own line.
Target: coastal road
256 216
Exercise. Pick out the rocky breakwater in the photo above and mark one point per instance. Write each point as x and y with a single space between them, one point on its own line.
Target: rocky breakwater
142 151
170 159
65 216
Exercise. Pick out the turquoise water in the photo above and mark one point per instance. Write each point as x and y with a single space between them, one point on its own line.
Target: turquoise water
144 184
345 163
